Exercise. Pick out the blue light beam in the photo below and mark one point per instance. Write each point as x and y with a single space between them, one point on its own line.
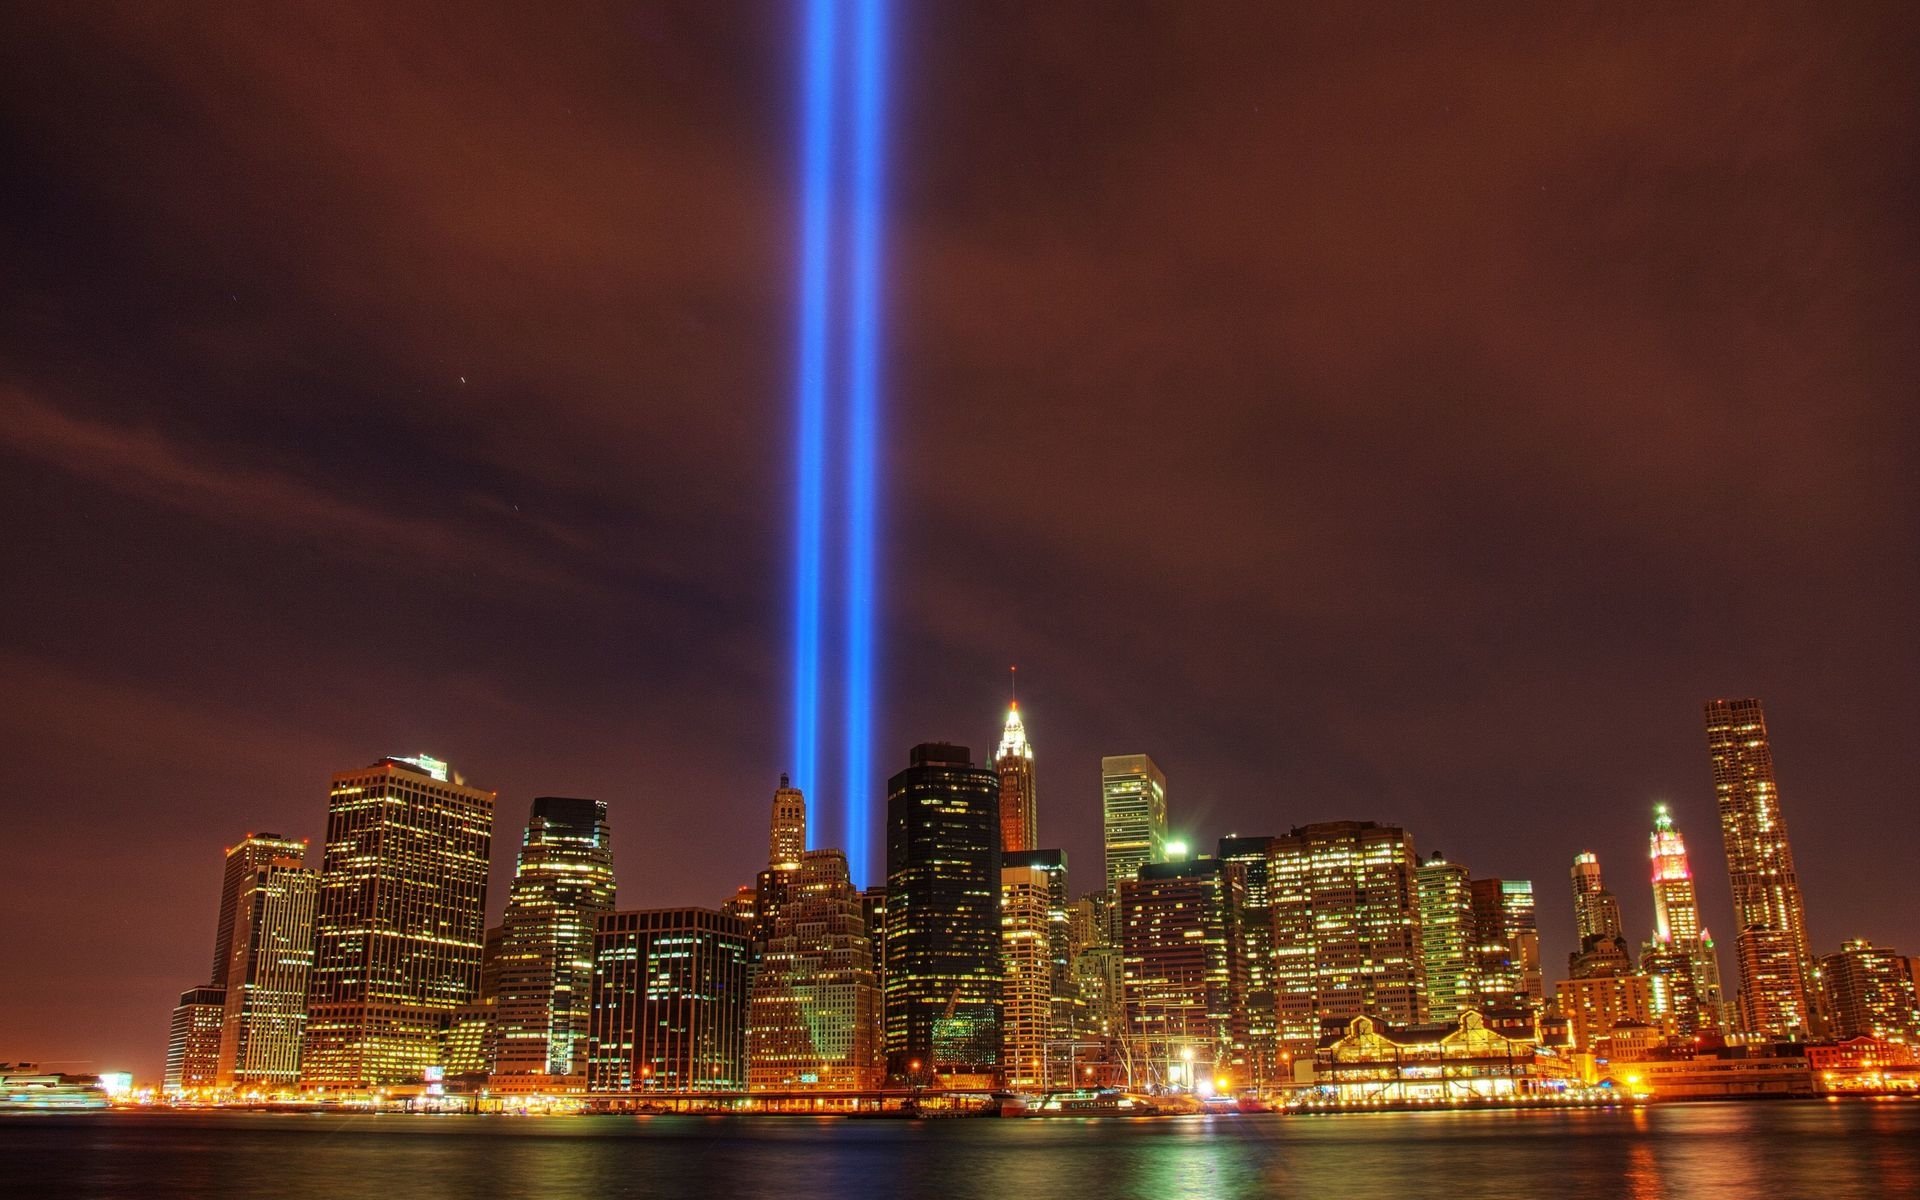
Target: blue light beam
816 216
863 403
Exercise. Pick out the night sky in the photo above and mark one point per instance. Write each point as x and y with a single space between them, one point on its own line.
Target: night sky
1397 415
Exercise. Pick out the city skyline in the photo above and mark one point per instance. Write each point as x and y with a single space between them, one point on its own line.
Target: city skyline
1366 419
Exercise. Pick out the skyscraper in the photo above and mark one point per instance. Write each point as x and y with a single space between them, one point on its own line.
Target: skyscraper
814 1015
1026 989
1870 993
1133 799
1506 935
401 922
193 1040
787 839
1778 982
254 850
269 923
1184 972
562 886
1019 804
1069 1020
943 915
1680 958
1346 928
1596 912
1254 857
670 989
1447 943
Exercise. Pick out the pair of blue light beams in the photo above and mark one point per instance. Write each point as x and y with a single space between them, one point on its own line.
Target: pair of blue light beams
843 76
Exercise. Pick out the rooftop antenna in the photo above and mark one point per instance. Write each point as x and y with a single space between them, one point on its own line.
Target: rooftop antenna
1013 684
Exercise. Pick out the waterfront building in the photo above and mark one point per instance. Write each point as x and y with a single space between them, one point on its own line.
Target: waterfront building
1346 929
670 993
193 1040
1459 1061
1026 990
562 885
1778 984
943 915
1068 1019
814 1014
1448 946
1870 993
1596 1005
1019 799
1254 856
401 922
1133 806
269 924
1681 955
1184 974
1596 911
1506 937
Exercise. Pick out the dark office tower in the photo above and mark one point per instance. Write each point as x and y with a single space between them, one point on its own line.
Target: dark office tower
193 1040
873 906
1346 929
670 991
1013 763
1506 936
265 1014
813 1018
1778 983
253 852
561 888
1253 855
1680 958
787 837
1596 912
401 923
943 915
1448 937
1870 993
1184 972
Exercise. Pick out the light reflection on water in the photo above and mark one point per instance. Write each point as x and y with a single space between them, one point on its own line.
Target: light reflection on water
1834 1151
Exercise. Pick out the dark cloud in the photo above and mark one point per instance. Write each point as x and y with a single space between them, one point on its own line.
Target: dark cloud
1395 413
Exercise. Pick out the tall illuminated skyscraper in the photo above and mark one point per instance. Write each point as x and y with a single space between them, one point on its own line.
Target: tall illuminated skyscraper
1254 855
1184 971
401 923
1133 799
193 1040
1680 958
943 977
787 839
253 852
1026 960
1507 938
1447 947
1596 911
1013 763
562 886
1069 1020
1346 928
1778 976
814 1014
670 989
265 1010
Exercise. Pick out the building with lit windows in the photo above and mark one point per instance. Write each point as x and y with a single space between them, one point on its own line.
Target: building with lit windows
1778 983
562 885
1133 800
271 956
1346 929
1447 942
1026 962
943 975
193 1040
253 851
670 997
1461 1061
400 925
787 833
1506 935
1254 857
813 1021
1184 973
1870 993
1680 957
1019 798
1596 911
1595 1005
1069 1021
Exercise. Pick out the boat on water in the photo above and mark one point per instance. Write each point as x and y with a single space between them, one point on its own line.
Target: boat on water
1091 1102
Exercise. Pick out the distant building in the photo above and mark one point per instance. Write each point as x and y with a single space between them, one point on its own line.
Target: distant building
400 925
943 976
254 851
1069 1020
1596 911
1254 855
1595 1005
269 918
1680 957
1870 993
1019 796
787 839
193 1040
1133 798
1778 985
670 990
1184 972
814 1015
562 886
1026 962
1346 929
1448 947
1506 936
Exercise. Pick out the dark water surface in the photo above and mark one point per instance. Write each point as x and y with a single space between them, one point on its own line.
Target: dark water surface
1834 1151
